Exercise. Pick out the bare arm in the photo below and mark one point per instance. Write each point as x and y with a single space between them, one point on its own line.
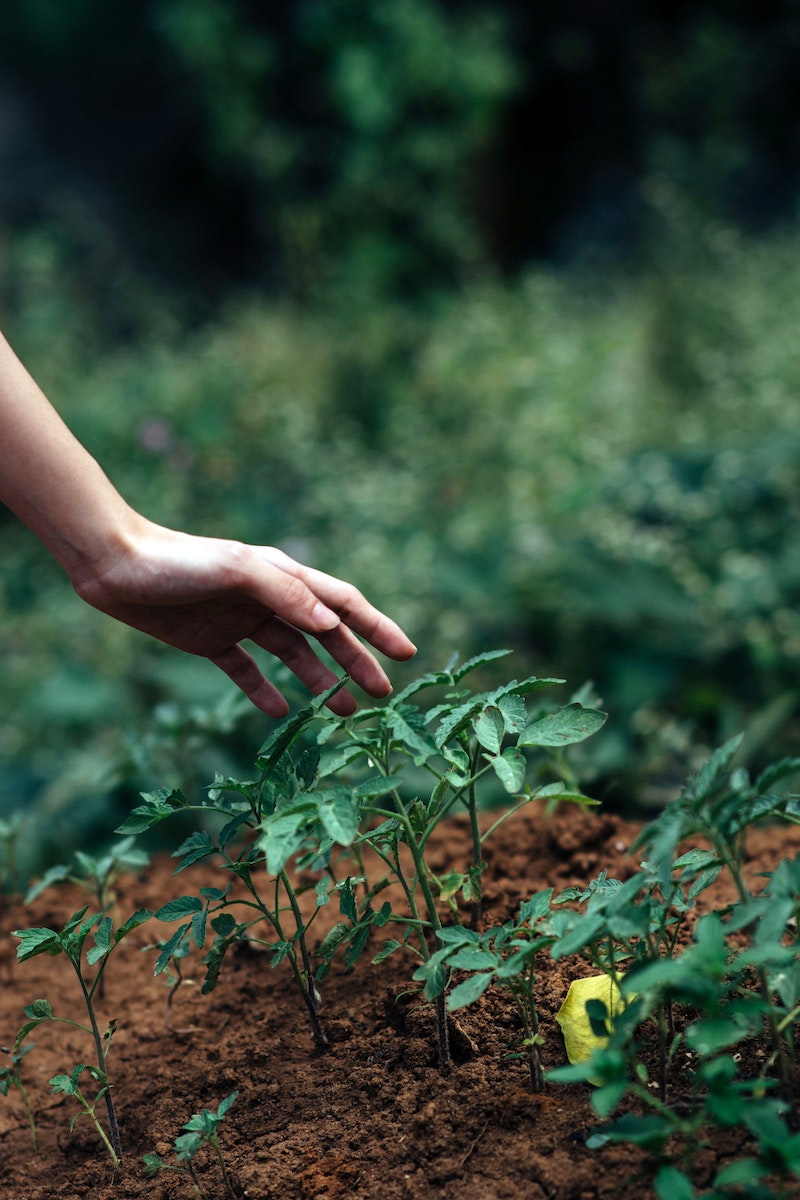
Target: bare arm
203 595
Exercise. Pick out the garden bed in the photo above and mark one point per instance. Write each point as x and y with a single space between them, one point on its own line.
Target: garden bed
372 1116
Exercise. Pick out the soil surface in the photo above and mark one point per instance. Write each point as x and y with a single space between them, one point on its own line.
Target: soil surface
372 1117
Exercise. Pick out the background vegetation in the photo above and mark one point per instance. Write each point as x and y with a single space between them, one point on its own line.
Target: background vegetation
491 308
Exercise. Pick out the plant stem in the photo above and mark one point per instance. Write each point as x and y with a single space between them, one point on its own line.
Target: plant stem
423 882
115 1147
29 1109
214 1143
476 908
306 977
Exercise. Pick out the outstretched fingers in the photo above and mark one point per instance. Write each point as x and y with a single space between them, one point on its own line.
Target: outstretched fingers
335 596
242 668
287 644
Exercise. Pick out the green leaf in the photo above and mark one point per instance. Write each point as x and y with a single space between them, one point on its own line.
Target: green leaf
187 1145
198 928
672 1184
490 729
379 786
406 724
133 922
434 973
66 1084
102 939
478 660
389 947
37 941
515 714
194 849
279 742
170 948
157 805
434 679
468 991
510 768
176 910
347 901
152 1165
225 1105
649 1131
697 859
564 728
715 1033
338 814
282 834
37 1012
473 958
743 1171
55 874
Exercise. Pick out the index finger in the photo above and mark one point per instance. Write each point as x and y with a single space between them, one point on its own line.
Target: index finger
352 607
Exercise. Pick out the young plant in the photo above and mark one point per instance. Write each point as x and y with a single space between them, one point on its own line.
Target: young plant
738 981
505 956
382 781
461 745
96 875
11 1079
70 941
270 899
202 1129
68 1085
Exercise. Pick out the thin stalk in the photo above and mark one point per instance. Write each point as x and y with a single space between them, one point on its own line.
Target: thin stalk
214 1143
423 882
307 981
476 908
116 1143
89 1110
200 1191
779 1055
304 985
526 1007
663 1037
29 1110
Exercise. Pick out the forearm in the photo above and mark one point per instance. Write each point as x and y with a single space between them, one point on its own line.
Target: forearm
51 481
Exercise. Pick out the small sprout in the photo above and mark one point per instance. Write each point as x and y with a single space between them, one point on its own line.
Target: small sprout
11 1077
201 1130
70 941
67 1085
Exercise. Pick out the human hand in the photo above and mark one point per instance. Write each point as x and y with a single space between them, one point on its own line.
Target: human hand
206 595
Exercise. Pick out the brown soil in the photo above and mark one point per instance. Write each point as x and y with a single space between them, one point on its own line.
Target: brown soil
370 1118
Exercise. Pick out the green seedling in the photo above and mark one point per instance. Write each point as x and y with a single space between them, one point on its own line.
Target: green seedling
67 1085
737 981
201 1130
505 956
175 979
96 876
71 941
11 1079
424 765
270 899
331 789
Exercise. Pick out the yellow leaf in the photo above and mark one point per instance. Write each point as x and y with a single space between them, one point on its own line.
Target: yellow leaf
575 1025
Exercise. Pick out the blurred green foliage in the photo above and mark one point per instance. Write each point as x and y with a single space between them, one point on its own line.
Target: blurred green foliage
377 147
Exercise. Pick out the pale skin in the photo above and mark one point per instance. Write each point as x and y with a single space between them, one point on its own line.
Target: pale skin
203 595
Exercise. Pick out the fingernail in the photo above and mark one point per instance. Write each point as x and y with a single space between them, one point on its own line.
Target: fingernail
324 617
